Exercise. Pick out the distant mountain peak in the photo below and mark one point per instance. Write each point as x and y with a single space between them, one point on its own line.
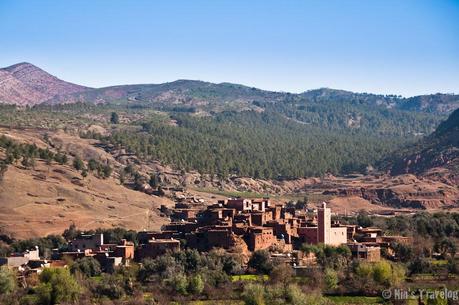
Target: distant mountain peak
26 84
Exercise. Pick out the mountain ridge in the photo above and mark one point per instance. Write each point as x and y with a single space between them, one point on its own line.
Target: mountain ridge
26 85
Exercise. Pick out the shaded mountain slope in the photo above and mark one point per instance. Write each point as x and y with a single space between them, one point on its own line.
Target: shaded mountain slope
439 150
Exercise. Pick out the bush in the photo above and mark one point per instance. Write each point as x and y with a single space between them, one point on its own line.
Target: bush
57 286
87 266
78 164
7 281
331 279
180 283
111 286
261 262
383 273
195 285
254 294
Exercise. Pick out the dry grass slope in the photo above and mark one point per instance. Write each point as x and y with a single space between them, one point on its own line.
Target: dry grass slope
48 198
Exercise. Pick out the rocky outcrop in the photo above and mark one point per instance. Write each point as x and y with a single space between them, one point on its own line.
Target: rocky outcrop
393 198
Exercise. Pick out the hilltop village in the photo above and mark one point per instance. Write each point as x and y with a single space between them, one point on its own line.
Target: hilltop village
237 225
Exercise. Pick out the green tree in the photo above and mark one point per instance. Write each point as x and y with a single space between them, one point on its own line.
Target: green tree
61 158
111 286
93 165
78 164
84 173
7 281
114 118
154 181
195 284
180 283
261 262
364 220
331 279
56 286
87 266
281 274
107 170
71 232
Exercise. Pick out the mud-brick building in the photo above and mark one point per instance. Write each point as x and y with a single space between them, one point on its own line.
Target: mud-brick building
156 247
260 238
86 241
365 252
324 232
239 204
16 260
125 250
327 234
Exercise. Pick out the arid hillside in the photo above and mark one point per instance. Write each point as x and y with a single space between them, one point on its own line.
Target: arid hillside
47 198
25 84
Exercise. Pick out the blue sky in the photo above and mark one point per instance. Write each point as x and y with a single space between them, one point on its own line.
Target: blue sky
388 46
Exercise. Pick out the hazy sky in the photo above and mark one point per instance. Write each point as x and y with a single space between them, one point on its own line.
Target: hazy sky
400 46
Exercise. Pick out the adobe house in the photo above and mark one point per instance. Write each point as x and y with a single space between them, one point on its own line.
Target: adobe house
219 237
258 218
125 250
242 205
108 263
16 260
369 234
284 229
145 236
365 252
86 241
260 238
185 214
156 247
74 255
181 227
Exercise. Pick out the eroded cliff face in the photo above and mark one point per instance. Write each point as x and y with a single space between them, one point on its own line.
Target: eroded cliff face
438 199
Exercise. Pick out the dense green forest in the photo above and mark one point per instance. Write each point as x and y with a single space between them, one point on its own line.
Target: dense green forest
336 115
261 145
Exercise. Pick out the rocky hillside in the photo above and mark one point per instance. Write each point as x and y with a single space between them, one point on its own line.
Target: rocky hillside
25 84
435 155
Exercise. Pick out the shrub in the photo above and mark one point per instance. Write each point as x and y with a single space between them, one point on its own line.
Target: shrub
331 279
57 286
195 285
7 281
254 294
261 262
87 266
